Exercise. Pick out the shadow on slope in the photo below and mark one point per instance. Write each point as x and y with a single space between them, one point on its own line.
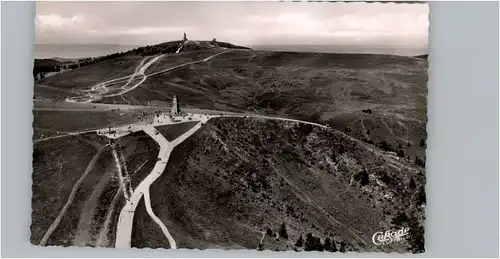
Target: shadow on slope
173 131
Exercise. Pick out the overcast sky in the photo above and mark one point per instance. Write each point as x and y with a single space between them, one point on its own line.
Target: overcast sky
245 23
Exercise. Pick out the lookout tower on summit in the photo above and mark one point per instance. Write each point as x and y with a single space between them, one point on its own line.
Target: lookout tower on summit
175 110
185 38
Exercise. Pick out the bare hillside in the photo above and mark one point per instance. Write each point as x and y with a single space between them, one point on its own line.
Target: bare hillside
237 180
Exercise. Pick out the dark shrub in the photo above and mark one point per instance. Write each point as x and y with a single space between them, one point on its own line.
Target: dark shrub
412 184
313 243
318 246
329 245
342 247
386 146
362 177
369 111
400 219
419 161
300 242
416 238
282 231
386 179
421 197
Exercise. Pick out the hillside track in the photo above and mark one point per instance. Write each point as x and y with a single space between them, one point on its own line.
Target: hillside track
125 84
72 195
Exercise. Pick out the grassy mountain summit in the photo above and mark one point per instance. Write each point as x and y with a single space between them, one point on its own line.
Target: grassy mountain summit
267 184
56 64
380 99
182 46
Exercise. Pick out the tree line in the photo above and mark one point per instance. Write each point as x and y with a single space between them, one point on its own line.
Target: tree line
310 243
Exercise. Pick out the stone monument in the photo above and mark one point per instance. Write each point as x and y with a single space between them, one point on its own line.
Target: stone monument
175 110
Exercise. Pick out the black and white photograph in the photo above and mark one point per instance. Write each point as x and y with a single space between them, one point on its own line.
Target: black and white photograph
266 126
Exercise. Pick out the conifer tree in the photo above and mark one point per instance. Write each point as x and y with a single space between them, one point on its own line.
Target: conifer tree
282 232
300 242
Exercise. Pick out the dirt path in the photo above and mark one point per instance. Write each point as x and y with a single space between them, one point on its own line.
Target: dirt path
346 189
188 63
82 236
386 125
120 173
125 222
363 129
101 90
102 239
66 135
71 197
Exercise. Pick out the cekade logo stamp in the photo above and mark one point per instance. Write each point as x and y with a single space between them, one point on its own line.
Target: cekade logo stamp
387 237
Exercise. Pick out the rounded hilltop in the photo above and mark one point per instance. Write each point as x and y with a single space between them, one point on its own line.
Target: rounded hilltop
44 66
183 45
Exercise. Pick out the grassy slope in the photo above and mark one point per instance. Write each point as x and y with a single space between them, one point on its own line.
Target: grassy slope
136 149
65 233
121 65
172 60
111 235
95 193
57 165
44 92
103 204
141 238
140 152
88 76
48 123
327 88
237 177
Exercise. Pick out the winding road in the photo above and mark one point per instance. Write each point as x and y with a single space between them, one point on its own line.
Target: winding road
126 217
125 221
115 87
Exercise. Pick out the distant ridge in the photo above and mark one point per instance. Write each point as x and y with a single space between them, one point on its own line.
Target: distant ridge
344 49
423 56
77 51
